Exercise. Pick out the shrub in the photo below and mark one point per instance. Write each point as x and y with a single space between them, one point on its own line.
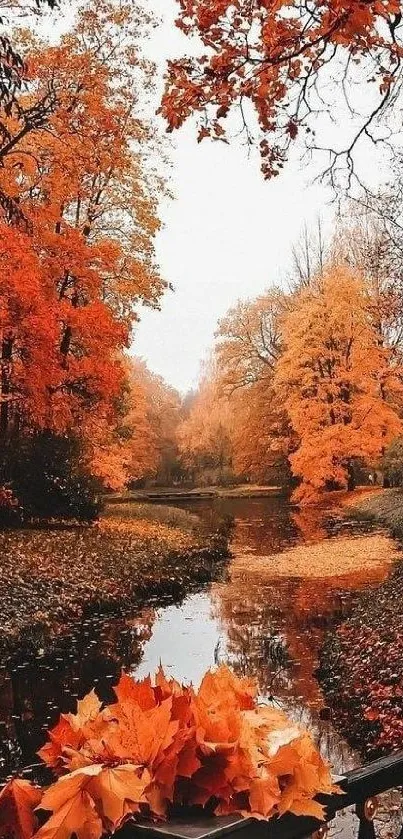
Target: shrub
47 477
392 463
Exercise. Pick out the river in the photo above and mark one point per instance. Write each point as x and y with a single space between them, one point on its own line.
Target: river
262 619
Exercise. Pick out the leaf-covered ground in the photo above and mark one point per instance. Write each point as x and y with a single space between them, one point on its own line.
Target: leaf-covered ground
330 558
50 577
362 663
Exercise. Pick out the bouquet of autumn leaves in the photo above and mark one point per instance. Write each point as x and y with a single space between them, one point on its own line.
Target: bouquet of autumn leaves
162 746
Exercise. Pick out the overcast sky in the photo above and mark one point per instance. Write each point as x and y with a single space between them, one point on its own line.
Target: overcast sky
227 235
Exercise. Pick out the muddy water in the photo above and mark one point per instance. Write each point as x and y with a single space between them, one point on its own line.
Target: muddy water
262 624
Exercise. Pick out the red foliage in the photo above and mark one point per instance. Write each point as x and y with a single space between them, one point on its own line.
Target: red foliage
70 278
271 54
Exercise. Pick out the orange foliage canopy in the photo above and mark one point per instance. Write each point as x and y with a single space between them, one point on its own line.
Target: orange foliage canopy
236 422
312 377
204 436
338 380
248 347
162 745
137 440
271 54
80 256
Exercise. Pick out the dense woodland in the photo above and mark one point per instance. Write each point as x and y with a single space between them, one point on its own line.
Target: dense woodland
304 384
79 216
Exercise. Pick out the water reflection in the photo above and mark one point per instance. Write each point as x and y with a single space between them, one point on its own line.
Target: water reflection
284 657
271 629
250 630
34 689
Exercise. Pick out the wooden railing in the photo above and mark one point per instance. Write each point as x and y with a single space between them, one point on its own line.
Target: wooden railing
361 789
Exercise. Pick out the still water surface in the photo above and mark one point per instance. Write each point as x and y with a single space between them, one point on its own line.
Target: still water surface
271 629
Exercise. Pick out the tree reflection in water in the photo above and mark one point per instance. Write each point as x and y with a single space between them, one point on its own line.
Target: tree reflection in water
274 628
265 626
35 688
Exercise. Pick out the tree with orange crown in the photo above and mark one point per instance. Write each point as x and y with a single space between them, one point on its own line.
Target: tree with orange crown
340 385
249 344
204 436
79 255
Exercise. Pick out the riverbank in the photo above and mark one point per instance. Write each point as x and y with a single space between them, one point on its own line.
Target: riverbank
180 494
362 661
384 506
50 578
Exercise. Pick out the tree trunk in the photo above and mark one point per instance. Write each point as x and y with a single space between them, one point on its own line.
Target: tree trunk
6 356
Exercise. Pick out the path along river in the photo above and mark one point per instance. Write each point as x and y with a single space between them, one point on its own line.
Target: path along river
292 576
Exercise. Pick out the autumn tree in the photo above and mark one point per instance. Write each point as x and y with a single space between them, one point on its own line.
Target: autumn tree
340 386
391 463
142 443
309 255
249 339
368 247
18 117
125 450
261 437
249 344
151 423
204 436
13 68
166 414
73 275
274 61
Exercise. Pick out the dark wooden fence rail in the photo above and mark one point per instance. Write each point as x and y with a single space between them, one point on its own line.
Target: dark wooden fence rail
360 788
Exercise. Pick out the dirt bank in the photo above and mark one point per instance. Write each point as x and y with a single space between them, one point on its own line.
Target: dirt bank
49 578
384 506
362 662
180 494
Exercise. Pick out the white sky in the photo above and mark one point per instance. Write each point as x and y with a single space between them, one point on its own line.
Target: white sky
227 235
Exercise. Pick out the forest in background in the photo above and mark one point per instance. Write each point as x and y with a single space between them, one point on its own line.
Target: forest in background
304 385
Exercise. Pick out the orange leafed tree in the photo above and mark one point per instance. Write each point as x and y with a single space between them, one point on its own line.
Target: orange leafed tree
204 436
139 440
165 413
17 117
80 255
248 347
270 57
262 437
340 384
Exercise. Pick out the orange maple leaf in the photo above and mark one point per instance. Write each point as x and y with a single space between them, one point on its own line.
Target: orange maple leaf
137 736
18 800
76 816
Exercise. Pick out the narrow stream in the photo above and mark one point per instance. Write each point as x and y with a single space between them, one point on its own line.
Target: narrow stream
267 626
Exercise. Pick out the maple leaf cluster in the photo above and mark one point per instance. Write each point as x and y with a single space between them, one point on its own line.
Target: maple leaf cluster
163 745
